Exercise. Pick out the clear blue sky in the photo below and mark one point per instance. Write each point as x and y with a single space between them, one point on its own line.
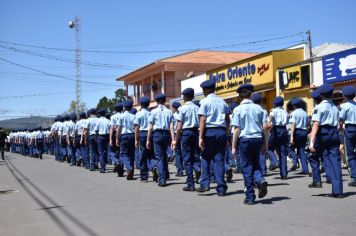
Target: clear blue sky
134 25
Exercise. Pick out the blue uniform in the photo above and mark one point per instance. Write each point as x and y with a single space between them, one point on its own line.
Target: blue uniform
81 148
215 110
161 119
188 115
127 140
71 147
114 150
93 145
103 129
177 152
278 139
348 116
300 119
147 156
249 118
61 128
328 141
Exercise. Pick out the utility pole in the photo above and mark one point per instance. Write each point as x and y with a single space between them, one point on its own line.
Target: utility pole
310 57
76 25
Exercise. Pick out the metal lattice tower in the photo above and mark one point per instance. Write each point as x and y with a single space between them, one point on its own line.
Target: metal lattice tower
76 25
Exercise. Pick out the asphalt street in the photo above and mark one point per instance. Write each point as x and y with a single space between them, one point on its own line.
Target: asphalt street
45 197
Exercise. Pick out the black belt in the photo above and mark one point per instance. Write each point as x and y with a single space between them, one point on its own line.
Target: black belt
279 126
328 126
219 127
193 129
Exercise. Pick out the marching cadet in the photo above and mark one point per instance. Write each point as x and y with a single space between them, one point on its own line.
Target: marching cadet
61 139
256 99
161 128
39 142
102 130
250 122
79 140
114 150
177 151
325 133
299 135
125 139
214 126
187 135
72 150
133 111
55 137
147 156
90 135
228 156
347 116
279 135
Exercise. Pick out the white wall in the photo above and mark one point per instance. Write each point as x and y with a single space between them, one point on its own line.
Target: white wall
193 83
318 73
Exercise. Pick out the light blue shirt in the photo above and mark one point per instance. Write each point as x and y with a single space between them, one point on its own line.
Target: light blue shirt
249 117
175 121
326 113
141 119
348 112
279 116
54 126
188 115
65 127
126 122
60 127
91 124
40 135
71 128
215 110
300 118
79 126
102 126
115 119
161 118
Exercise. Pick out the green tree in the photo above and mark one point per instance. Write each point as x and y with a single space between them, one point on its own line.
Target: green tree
104 102
73 107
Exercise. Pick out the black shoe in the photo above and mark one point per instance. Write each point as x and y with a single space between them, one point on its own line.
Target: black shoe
340 195
262 191
155 174
115 168
249 202
130 174
284 178
352 184
202 190
179 174
315 185
120 171
197 176
272 167
229 175
188 189
322 170
162 184
221 194
328 181
293 168
303 173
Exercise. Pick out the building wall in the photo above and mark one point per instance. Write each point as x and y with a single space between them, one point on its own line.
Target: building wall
317 73
193 83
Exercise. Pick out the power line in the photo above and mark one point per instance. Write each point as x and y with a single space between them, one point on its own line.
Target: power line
160 51
47 94
54 75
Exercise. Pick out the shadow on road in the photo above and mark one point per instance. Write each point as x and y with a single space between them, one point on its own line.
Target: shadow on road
227 193
272 200
18 175
277 184
347 194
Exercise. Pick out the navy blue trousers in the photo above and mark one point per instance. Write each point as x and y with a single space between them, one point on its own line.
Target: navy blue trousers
103 141
214 153
300 140
147 156
93 147
161 141
189 143
350 142
127 150
279 142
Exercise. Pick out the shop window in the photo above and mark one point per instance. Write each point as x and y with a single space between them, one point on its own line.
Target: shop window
305 70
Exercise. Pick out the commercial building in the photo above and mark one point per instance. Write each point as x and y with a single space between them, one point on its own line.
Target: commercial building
165 75
331 63
259 70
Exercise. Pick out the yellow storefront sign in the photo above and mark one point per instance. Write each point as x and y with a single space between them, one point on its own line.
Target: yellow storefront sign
292 77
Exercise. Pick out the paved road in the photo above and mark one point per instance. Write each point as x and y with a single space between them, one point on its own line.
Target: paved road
44 197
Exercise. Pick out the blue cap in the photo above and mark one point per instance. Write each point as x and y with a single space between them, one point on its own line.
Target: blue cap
160 96
188 91
83 115
102 111
197 102
145 100
127 103
256 97
73 116
208 84
315 93
175 104
232 106
348 91
118 105
245 86
278 101
326 89
133 111
92 110
66 117
296 101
